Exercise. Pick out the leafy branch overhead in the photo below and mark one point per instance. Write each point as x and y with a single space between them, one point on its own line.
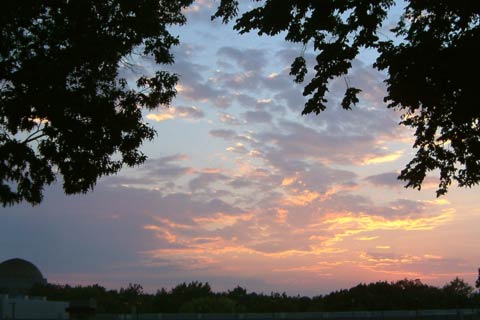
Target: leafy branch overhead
64 108
428 67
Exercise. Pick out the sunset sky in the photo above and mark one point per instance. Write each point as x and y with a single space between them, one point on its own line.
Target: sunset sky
240 189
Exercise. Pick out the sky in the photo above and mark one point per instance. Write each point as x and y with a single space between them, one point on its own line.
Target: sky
240 189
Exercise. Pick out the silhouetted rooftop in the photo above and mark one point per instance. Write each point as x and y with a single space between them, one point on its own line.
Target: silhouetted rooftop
18 275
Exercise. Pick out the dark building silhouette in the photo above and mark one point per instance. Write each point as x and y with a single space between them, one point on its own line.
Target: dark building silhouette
17 276
82 309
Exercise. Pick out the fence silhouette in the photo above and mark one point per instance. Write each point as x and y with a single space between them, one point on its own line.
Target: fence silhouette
438 314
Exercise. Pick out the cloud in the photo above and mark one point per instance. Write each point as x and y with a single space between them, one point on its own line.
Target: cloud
237 81
423 266
258 117
383 158
220 221
386 179
205 179
364 222
409 208
176 113
243 58
366 238
223 133
295 140
229 119
238 148
246 100
241 182
165 167
193 85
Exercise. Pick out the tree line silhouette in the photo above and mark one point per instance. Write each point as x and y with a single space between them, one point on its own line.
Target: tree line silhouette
198 297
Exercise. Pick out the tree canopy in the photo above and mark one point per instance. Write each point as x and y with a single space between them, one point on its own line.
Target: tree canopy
428 64
67 111
197 297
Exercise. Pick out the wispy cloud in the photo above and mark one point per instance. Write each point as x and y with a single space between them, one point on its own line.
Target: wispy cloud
176 113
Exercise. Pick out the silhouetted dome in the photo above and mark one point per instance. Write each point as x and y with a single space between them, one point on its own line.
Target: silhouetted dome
18 275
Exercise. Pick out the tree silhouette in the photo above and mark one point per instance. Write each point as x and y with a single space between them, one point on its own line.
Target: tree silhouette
209 305
457 293
427 66
197 297
64 108
184 293
477 283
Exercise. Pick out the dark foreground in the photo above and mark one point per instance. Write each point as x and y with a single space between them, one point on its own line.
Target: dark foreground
446 314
